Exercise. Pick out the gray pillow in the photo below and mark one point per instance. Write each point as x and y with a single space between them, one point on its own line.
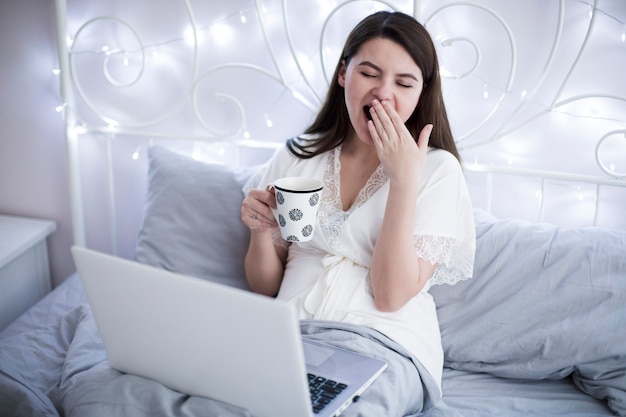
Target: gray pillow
545 302
192 222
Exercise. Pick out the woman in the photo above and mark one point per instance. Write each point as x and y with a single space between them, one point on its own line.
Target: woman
395 216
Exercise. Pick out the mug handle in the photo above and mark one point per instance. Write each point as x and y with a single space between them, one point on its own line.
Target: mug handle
270 187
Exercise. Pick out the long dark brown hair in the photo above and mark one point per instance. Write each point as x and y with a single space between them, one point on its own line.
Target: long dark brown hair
332 124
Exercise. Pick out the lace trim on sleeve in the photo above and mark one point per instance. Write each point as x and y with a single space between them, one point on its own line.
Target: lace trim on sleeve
453 266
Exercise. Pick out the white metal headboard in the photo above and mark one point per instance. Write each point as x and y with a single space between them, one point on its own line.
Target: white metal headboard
230 81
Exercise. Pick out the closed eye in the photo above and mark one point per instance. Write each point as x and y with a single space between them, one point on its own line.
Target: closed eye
401 84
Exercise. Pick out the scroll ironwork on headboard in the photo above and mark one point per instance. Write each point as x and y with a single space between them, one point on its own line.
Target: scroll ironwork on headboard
532 89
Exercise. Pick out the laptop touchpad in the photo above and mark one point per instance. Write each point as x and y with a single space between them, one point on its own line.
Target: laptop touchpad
316 355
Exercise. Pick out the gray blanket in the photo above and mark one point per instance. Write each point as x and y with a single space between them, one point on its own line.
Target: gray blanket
75 378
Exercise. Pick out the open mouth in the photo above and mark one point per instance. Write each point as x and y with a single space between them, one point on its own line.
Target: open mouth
366 109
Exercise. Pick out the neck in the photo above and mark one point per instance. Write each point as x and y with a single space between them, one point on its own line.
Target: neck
354 148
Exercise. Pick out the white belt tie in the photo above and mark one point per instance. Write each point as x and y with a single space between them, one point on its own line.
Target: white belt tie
330 291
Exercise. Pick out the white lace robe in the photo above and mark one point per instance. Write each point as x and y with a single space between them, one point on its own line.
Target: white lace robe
327 278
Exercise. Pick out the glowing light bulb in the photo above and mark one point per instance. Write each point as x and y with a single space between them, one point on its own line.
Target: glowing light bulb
135 155
486 92
246 134
222 33
59 108
191 36
268 121
524 93
623 37
243 18
56 71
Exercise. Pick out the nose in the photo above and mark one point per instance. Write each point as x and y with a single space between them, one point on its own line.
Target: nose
383 90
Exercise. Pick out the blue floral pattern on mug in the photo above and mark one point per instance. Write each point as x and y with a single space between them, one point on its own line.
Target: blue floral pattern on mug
281 220
314 199
280 199
292 238
307 230
295 214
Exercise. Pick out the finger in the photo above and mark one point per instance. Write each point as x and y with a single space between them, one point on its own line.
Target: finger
382 122
258 219
396 132
264 196
395 120
262 214
255 209
424 137
371 127
271 195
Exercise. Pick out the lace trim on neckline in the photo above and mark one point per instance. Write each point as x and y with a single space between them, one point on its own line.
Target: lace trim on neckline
331 215
333 176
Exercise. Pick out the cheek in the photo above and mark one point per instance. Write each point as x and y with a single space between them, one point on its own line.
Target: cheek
353 99
352 88
407 107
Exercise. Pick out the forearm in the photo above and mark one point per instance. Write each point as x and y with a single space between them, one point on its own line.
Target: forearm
264 263
395 269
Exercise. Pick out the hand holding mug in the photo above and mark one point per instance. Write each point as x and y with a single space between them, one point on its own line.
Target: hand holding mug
256 209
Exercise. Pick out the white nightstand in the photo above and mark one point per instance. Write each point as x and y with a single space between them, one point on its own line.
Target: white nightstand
24 267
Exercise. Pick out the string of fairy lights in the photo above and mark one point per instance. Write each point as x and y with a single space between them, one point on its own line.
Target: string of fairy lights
221 28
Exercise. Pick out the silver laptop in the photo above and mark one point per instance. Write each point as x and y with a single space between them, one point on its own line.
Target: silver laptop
214 341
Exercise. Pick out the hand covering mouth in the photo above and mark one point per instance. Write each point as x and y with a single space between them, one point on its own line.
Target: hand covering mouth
366 109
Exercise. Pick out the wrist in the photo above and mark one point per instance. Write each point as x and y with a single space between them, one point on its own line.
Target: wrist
406 187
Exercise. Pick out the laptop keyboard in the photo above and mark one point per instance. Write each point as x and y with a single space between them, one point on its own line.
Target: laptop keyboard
323 391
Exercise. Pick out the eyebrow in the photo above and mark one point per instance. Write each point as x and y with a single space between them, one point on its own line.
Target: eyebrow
377 68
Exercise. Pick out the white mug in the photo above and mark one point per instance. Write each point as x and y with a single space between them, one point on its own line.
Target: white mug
297 201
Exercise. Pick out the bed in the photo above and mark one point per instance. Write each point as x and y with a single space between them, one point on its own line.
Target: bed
538 331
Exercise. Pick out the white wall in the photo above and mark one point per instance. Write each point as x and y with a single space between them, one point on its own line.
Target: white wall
33 174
